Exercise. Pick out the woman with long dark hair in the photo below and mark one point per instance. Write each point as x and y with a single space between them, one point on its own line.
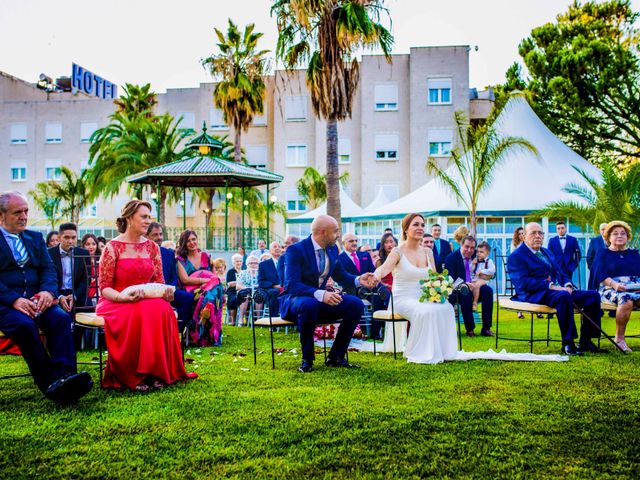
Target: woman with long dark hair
387 243
90 243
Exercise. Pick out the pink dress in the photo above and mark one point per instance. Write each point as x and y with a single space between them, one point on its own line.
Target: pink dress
142 337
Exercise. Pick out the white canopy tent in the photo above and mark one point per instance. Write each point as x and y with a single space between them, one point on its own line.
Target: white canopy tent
380 201
522 184
349 209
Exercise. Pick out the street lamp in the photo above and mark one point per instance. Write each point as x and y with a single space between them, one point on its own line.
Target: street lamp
206 226
228 196
154 197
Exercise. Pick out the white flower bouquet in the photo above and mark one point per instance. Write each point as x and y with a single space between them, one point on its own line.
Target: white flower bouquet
436 288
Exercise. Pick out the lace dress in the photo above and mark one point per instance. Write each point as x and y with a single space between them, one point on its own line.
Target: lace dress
142 337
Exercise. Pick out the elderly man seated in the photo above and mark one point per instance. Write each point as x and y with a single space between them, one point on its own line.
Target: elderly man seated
538 278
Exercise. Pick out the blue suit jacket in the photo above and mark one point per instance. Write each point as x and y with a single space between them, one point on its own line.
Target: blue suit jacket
570 258
301 274
80 269
596 243
441 257
169 266
267 273
366 265
37 275
454 263
531 276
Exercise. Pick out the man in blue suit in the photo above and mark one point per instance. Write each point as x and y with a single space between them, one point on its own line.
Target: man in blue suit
356 263
459 264
596 243
538 278
566 250
441 247
306 300
182 300
268 278
288 241
28 289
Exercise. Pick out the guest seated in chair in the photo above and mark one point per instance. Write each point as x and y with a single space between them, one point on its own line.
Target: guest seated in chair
356 263
483 270
460 265
141 333
617 272
182 300
28 290
387 243
232 292
538 278
305 300
246 283
268 278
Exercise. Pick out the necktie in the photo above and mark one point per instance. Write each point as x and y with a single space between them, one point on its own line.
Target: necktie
467 270
322 266
19 250
543 257
437 245
356 260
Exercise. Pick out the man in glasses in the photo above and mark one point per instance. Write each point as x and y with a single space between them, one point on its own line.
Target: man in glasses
538 278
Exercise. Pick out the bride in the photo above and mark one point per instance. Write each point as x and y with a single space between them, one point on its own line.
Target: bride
429 336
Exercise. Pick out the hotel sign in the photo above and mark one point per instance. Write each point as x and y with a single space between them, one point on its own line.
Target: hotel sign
92 84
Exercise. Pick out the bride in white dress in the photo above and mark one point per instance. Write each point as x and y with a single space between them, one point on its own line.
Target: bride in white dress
431 327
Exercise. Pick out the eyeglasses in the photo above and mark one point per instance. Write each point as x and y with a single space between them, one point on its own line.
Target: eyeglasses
537 233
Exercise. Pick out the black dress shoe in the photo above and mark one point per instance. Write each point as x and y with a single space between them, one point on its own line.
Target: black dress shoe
487 333
305 367
69 388
331 362
570 349
471 333
587 346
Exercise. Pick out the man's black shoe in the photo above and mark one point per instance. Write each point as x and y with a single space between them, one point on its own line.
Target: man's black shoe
69 388
331 362
570 349
588 346
305 366
487 333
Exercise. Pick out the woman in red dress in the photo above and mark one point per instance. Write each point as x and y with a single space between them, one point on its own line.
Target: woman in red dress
141 333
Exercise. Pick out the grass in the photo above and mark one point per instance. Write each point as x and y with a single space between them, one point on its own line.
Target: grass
390 419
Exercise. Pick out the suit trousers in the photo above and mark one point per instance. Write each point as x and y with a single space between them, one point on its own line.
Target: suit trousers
45 367
274 305
308 312
563 302
466 307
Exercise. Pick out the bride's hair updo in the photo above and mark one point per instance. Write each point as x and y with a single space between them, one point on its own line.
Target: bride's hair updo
406 221
130 208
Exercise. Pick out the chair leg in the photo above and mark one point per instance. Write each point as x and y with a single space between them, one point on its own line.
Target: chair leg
273 354
393 325
531 337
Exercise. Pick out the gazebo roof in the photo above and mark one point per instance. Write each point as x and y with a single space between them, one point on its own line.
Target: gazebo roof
204 140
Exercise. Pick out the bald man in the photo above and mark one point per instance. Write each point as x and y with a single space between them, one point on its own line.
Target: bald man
357 263
306 300
538 278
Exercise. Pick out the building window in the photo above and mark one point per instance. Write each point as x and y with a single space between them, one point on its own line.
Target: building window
390 190
18 172
188 121
386 147
386 97
296 108
18 133
296 155
440 142
344 150
257 156
86 130
53 133
216 119
260 120
295 203
439 91
52 170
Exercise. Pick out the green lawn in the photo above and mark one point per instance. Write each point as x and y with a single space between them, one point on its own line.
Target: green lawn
390 419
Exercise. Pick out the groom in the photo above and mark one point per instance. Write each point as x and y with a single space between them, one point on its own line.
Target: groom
308 265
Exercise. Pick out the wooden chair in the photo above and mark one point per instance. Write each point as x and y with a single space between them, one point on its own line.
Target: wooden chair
392 317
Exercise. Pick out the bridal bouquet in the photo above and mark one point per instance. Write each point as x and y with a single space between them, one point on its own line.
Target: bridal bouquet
436 288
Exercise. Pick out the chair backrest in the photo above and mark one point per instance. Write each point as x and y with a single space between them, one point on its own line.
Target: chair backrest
501 264
93 290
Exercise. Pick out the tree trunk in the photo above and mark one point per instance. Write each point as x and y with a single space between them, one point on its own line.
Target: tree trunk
237 146
333 174
162 199
474 222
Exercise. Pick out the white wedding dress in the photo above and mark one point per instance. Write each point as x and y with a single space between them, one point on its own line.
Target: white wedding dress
432 334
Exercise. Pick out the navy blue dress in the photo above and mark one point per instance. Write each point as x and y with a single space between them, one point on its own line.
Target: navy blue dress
623 267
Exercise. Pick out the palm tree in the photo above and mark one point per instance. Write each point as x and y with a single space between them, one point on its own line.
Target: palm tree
326 34
615 196
312 186
241 89
45 199
73 192
137 100
481 149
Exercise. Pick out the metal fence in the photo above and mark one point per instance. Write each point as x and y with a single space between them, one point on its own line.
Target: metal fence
214 238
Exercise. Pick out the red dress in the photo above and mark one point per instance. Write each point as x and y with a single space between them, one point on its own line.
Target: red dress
142 337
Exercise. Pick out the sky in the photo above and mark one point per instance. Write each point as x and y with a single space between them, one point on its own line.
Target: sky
162 41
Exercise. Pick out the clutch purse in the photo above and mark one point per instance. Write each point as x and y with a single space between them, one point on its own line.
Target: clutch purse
151 290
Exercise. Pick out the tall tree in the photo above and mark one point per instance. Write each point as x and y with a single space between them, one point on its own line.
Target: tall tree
312 186
614 196
73 191
584 72
137 100
480 150
45 199
240 67
326 34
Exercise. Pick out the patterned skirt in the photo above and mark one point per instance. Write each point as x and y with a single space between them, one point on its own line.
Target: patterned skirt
608 294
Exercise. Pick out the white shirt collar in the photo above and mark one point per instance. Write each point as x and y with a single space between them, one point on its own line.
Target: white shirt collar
316 245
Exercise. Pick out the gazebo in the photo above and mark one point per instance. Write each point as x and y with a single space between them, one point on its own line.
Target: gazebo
204 169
